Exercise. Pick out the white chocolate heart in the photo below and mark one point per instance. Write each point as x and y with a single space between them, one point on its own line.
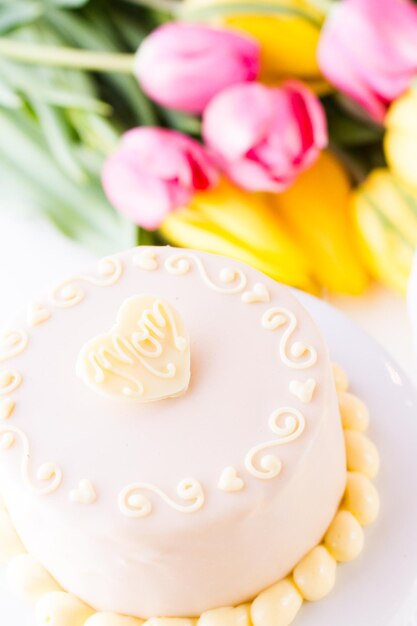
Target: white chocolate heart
259 293
7 406
303 390
230 481
84 494
146 259
145 356
37 314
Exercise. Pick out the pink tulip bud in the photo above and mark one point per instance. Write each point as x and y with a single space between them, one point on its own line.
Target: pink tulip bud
182 66
155 171
262 137
368 49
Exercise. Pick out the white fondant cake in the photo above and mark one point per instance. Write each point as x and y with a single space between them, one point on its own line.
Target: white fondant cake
170 439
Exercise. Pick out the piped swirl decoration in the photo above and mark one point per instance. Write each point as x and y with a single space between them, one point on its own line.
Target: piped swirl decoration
134 503
9 381
146 356
269 465
12 343
298 355
48 473
179 264
69 292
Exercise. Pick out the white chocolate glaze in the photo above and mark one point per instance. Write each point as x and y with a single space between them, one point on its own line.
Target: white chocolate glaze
69 292
133 503
298 355
12 342
119 561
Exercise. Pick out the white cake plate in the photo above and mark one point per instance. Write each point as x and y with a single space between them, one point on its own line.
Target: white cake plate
380 588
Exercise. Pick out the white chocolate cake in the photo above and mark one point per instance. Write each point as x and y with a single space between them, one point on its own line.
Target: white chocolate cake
171 441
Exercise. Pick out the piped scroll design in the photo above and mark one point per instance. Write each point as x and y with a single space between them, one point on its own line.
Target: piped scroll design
48 473
69 292
12 343
269 465
298 355
134 503
178 264
10 380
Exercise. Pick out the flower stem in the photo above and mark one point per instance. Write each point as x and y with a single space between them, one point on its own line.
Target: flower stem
66 57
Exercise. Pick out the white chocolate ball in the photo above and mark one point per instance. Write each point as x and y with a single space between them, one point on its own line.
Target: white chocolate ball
29 579
361 498
59 608
228 616
10 544
345 538
340 377
112 619
277 606
315 575
361 454
355 414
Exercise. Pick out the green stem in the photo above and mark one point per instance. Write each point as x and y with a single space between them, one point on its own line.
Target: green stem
66 57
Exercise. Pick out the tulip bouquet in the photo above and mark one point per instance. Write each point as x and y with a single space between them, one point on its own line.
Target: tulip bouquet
278 132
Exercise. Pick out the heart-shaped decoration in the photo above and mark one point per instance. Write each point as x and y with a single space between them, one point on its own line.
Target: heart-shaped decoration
303 390
258 293
37 314
146 259
230 481
145 356
7 406
84 493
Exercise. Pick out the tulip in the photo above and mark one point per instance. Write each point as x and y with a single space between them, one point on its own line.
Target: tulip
229 221
153 172
316 211
263 137
182 66
401 138
279 27
385 216
368 49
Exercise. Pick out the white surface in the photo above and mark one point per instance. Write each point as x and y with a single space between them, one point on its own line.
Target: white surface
377 590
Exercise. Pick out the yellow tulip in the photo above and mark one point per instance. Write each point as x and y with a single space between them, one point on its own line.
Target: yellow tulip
385 212
401 138
316 212
288 31
235 223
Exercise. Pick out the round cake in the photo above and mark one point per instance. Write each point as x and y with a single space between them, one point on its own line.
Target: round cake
170 439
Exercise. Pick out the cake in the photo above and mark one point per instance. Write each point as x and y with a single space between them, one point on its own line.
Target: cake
174 441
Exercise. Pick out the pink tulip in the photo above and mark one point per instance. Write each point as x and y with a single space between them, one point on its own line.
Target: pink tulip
262 137
155 171
368 49
182 66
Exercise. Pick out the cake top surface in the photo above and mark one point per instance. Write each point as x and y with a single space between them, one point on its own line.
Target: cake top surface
164 385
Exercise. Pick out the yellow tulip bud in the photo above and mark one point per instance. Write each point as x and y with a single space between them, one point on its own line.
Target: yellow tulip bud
385 212
316 211
227 220
401 138
279 26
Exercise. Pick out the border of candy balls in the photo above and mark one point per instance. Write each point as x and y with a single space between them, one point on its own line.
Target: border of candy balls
312 579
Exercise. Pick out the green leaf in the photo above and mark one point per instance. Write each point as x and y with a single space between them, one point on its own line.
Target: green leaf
17 14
